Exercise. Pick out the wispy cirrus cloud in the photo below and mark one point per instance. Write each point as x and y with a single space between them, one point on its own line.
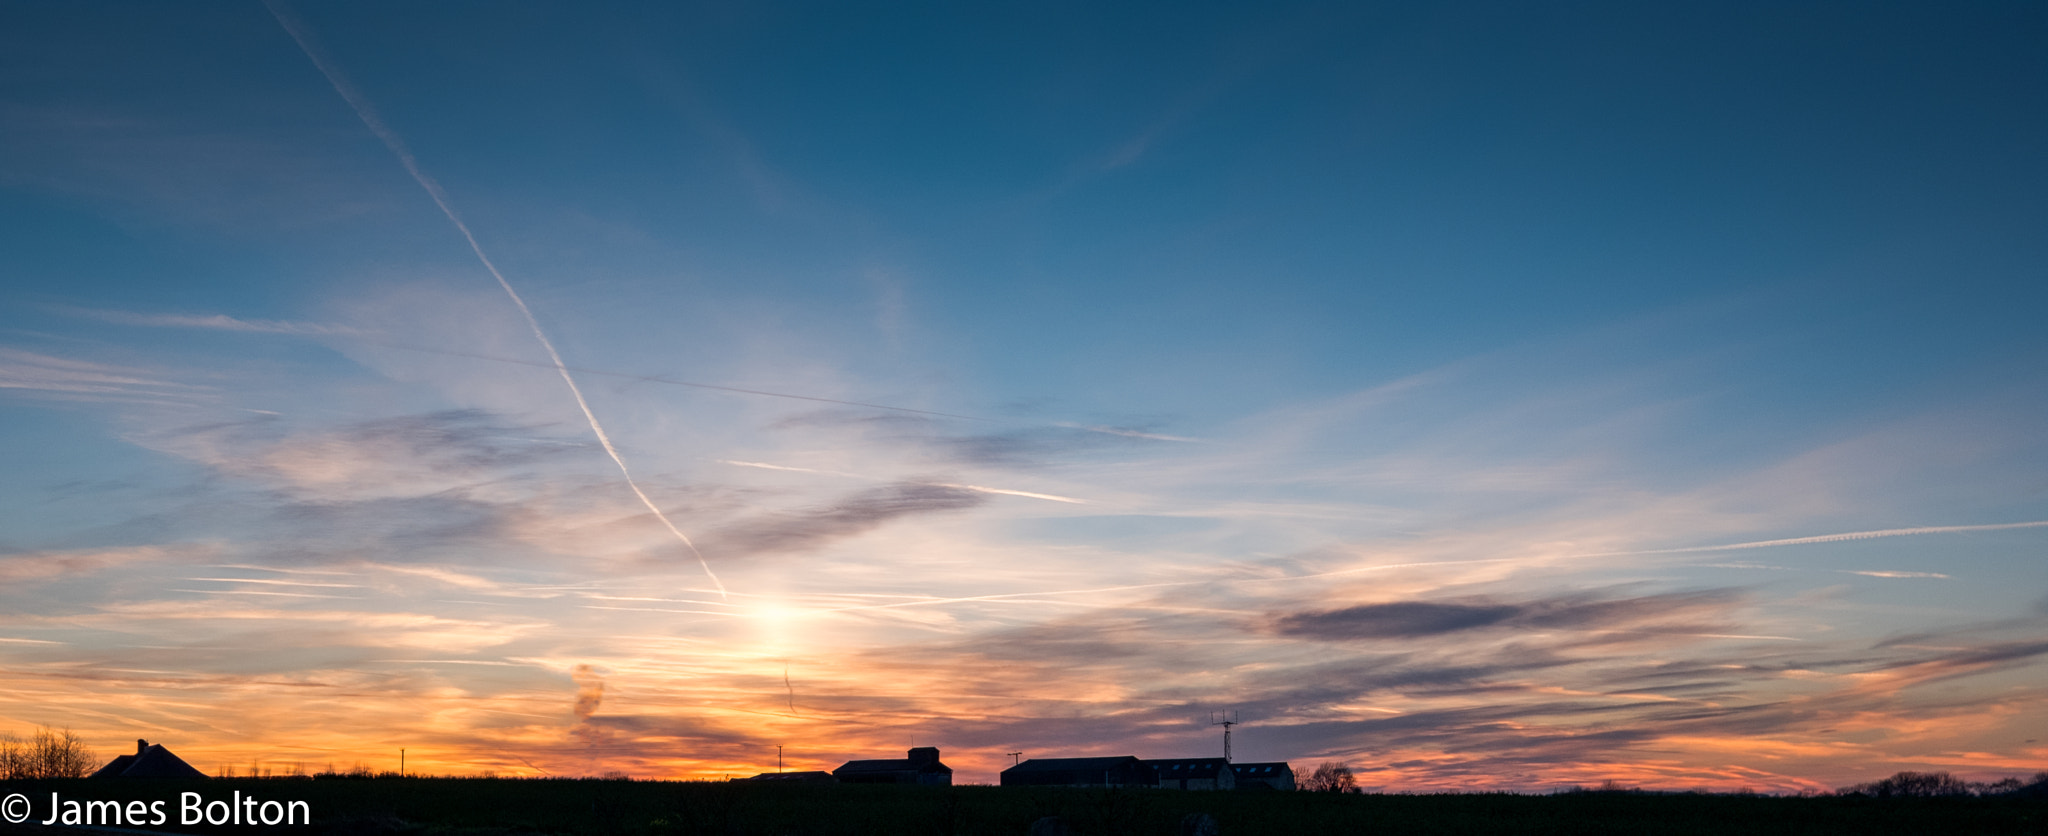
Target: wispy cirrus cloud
406 455
21 568
213 322
850 516
33 372
977 488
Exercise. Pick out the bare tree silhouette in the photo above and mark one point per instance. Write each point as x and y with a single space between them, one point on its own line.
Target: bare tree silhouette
1331 777
46 754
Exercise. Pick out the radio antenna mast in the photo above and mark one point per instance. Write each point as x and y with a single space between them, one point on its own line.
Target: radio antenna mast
1228 720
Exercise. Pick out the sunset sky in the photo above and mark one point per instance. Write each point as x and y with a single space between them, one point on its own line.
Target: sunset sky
1484 395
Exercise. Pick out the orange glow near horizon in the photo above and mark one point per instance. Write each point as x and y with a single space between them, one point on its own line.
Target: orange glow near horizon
547 688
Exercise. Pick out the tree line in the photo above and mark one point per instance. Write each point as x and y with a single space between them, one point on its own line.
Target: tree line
1945 785
1337 777
49 753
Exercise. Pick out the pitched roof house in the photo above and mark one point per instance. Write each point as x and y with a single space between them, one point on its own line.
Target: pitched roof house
922 767
148 762
1125 771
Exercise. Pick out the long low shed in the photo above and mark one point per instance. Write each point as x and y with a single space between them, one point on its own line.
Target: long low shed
1125 771
1128 771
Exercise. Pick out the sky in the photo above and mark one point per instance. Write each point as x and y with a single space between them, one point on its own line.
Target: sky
1482 395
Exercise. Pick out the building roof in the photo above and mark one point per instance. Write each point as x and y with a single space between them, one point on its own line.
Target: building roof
149 761
1187 767
795 778
923 759
114 767
893 765
1064 764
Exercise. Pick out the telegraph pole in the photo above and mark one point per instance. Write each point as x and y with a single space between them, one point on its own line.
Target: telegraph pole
1015 757
778 757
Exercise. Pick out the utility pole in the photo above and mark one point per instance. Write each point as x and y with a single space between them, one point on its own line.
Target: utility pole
778 757
401 763
1015 757
1228 721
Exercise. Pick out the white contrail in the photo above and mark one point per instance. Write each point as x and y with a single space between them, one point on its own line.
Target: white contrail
269 582
1126 433
927 602
1007 492
1879 573
368 114
767 466
1834 538
975 488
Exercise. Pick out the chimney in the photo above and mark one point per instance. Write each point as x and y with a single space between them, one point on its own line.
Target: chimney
141 746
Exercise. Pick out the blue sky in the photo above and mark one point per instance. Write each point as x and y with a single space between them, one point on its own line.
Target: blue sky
1385 372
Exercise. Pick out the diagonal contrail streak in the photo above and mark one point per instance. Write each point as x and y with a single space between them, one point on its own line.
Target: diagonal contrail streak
1834 538
391 140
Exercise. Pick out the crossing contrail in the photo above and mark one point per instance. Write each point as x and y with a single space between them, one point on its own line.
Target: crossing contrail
375 123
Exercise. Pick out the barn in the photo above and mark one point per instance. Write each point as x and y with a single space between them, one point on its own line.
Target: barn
922 767
1125 771
1277 775
1192 774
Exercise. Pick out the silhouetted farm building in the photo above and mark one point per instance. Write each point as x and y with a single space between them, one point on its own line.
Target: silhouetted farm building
148 762
1123 771
1277 775
1192 774
794 778
922 767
